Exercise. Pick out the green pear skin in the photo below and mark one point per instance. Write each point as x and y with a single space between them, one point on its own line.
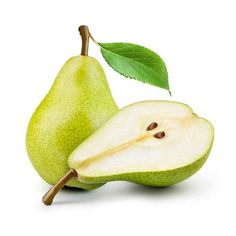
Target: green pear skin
78 102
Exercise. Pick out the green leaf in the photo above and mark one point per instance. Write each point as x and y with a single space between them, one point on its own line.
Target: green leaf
136 62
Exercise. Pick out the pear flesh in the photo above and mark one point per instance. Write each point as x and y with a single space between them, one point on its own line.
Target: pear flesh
77 104
174 148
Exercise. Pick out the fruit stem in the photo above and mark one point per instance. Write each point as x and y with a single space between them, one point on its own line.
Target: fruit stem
49 196
85 35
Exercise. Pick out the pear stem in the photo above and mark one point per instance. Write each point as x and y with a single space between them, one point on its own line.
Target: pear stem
85 35
49 196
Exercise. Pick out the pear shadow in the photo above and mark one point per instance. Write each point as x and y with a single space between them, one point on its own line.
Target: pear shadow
114 191
72 189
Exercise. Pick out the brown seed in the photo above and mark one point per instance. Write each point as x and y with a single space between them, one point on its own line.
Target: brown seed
152 126
159 135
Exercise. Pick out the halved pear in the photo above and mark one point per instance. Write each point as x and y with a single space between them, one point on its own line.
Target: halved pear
155 143
126 148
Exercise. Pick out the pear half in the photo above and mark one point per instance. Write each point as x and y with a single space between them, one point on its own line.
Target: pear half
155 143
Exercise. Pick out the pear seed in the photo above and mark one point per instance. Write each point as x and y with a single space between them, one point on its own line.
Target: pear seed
152 126
159 135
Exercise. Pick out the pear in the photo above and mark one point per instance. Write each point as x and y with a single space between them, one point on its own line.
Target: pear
78 102
154 143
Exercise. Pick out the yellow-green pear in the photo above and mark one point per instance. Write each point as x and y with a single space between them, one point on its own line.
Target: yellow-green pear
78 102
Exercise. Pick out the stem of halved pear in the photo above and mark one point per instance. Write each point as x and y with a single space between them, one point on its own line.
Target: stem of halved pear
85 35
49 196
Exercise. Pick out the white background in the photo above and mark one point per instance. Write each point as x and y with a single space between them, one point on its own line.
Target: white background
197 41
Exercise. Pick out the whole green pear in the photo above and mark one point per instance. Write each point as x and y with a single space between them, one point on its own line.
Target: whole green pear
78 102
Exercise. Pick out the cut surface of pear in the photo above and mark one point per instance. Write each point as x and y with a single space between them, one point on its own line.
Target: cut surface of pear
126 149
77 104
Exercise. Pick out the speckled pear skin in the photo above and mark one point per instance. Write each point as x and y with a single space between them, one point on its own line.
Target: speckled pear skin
78 102
154 179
